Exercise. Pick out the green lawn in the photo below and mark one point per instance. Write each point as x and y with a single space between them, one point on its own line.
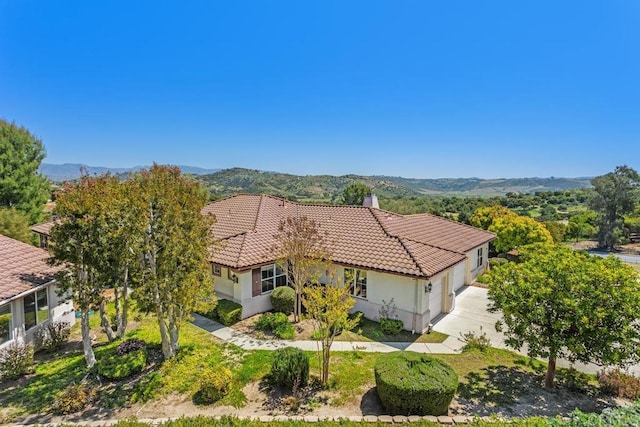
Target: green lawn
351 373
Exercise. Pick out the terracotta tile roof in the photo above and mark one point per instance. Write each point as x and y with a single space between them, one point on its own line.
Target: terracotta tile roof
415 245
22 267
43 228
434 230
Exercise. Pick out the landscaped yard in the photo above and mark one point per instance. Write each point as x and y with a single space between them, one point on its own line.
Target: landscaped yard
492 382
367 331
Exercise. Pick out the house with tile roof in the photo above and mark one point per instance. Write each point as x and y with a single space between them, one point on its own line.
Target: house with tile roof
420 261
28 298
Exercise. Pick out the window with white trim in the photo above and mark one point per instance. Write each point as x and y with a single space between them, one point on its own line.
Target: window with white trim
272 277
6 323
216 270
36 308
356 281
480 258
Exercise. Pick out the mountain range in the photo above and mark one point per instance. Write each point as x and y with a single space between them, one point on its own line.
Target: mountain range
71 171
224 182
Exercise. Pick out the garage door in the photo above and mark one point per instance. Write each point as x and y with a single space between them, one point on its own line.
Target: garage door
435 299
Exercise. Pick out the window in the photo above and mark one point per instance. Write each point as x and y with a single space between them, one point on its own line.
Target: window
272 277
356 280
216 270
5 323
36 308
480 261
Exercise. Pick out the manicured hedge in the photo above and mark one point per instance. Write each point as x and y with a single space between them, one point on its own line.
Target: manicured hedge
228 312
283 299
410 383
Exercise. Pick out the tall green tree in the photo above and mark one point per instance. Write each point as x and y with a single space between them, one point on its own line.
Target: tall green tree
15 224
74 245
565 304
175 274
354 193
301 251
616 194
21 185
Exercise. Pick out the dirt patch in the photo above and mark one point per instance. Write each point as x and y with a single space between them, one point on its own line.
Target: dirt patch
587 245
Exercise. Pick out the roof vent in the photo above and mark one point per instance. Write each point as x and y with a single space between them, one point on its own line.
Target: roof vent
371 201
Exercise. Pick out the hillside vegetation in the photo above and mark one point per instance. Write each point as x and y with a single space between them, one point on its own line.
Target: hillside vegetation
328 188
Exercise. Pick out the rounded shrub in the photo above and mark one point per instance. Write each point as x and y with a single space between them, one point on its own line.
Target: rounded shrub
290 368
410 383
285 331
283 299
391 326
117 367
73 398
214 385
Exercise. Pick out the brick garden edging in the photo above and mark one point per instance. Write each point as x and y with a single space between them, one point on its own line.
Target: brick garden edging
443 420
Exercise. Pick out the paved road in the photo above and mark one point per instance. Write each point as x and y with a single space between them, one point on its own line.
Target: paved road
632 259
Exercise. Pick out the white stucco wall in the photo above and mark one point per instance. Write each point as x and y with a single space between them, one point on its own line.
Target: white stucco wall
473 270
60 310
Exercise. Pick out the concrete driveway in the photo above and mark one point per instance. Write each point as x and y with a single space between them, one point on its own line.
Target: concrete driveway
470 314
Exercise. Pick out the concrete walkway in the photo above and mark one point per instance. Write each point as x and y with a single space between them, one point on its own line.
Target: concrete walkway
469 314
451 345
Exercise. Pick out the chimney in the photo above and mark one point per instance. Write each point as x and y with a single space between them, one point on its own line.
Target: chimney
371 201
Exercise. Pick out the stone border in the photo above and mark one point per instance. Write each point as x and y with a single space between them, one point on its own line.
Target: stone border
442 420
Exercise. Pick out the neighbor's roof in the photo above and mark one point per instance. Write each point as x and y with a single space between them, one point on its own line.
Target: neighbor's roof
43 228
365 237
22 267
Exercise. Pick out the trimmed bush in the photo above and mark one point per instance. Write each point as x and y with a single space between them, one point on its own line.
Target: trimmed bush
493 262
619 384
391 326
264 322
130 345
16 360
52 336
119 367
285 331
410 383
228 312
290 368
283 299
214 385
73 398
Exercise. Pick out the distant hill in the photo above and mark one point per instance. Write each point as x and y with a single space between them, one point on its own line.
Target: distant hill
69 171
329 188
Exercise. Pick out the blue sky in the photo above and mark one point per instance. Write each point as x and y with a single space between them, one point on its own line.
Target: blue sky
412 88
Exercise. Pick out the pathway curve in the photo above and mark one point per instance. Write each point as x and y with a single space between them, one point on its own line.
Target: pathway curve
451 345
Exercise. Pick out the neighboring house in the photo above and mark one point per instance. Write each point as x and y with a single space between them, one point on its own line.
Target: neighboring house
28 296
418 260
